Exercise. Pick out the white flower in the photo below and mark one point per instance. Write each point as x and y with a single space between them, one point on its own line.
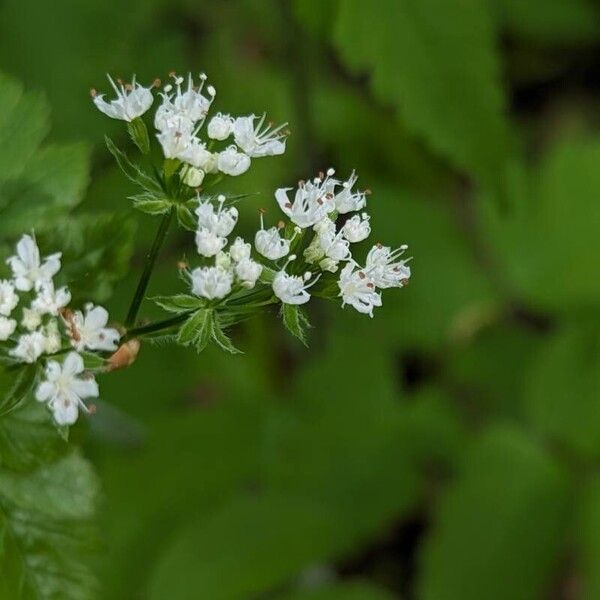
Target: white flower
220 127
232 162
64 391
358 290
209 243
27 267
270 244
383 270
211 164
52 340
239 250
357 228
348 201
191 103
31 319
291 289
7 328
257 141
50 301
133 100
327 245
90 330
211 282
176 137
30 347
8 298
248 271
220 222
195 154
312 202
193 177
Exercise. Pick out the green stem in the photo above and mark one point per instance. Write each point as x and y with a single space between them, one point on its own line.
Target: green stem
148 268
157 326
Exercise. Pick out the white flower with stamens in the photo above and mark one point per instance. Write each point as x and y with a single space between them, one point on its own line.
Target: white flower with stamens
358 290
269 243
384 269
211 282
191 103
7 328
89 330
232 162
195 154
348 200
260 139
248 271
291 289
30 346
28 268
176 137
132 101
239 249
209 243
31 319
220 127
220 221
357 228
8 297
64 390
50 301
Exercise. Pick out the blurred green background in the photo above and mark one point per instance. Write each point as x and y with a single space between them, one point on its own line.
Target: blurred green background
445 450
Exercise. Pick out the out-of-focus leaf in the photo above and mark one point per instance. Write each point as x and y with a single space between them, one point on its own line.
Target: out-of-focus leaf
588 539
179 303
150 204
563 389
341 591
547 247
435 62
47 514
15 384
503 521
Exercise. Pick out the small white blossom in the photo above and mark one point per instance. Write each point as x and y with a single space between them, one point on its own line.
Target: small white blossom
260 139
357 228
270 244
7 328
348 200
195 153
176 137
239 249
220 127
8 297
221 221
190 103
358 290
50 301
52 340
193 177
291 289
132 101
31 319
211 282
27 266
232 162
64 390
89 330
382 267
248 271
30 347
209 243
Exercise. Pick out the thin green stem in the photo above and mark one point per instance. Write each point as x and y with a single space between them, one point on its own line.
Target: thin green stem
148 268
157 326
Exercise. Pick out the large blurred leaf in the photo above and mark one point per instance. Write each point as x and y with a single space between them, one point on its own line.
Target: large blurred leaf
500 527
341 591
548 247
45 526
435 61
588 539
563 389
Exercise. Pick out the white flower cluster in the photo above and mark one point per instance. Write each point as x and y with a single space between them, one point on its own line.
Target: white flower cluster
180 118
313 210
45 324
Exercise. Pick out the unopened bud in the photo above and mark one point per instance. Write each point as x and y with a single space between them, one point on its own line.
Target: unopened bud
193 177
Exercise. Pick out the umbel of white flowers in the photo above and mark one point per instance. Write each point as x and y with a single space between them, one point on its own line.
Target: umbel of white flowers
180 118
36 323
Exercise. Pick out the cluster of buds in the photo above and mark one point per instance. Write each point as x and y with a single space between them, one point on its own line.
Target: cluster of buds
37 325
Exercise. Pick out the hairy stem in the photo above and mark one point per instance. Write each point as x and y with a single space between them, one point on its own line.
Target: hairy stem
157 326
148 268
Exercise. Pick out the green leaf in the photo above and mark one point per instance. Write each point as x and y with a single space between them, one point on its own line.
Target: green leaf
295 321
504 520
179 303
15 384
562 389
185 218
588 539
132 171
436 63
139 134
47 515
222 339
197 330
357 590
150 204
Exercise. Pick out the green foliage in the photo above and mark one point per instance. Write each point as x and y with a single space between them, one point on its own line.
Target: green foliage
197 330
295 321
15 384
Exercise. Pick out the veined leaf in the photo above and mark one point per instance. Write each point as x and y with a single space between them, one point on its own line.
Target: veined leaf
222 339
179 303
197 330
185 218
295 321
15 384
151 205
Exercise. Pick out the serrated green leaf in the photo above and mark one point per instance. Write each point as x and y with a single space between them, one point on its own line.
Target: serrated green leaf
197 330
503 521
179 303
149 204
295 322
15 384
436 63
222 339
132 171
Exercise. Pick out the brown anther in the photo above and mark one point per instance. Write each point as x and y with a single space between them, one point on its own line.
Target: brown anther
329 195
320 201
92 408
370 285
379 245
396 269
172 73
288 205
321 175
124 356
182 264
156 83
119 81
280 225
128 87
367 192
93 93
301 182
361 275
404 282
